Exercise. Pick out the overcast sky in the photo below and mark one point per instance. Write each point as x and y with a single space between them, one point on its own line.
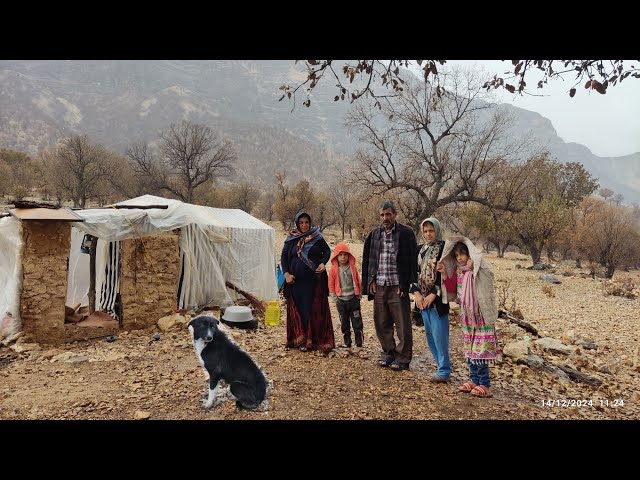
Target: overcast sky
609 125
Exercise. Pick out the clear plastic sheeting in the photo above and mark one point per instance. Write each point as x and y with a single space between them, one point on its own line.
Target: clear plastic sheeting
78 273
107 275
10 274
201 279
216 245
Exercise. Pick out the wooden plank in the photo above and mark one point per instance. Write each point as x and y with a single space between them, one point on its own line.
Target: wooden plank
45 214
141 207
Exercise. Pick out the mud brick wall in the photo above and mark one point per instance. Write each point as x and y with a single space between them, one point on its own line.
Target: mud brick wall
149 294
44 280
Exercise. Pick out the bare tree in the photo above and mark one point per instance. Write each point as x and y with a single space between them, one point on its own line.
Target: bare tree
617 198
291 200
149 174
283 207
189 155
433 144
364 215
194 156
265 207
341 198
79 169
243 196
324 215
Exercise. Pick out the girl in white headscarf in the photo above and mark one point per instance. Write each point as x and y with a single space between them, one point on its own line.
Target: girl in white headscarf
431 298
462 261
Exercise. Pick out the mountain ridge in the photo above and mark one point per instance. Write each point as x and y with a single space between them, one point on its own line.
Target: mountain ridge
118 103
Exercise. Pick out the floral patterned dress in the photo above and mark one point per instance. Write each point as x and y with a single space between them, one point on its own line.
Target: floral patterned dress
480 342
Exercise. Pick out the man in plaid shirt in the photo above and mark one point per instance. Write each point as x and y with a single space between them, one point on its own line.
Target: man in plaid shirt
388 269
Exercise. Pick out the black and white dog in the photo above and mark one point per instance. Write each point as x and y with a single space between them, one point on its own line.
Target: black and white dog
224 360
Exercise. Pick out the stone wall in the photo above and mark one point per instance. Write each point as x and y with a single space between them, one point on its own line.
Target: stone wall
149 280
44 282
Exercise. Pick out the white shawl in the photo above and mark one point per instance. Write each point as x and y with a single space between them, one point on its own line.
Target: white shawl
485 290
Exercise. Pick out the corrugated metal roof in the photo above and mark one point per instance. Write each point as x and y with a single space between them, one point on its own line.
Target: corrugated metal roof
46 214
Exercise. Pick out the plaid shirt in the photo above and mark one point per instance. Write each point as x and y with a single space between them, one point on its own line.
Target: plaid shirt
406 253
387 262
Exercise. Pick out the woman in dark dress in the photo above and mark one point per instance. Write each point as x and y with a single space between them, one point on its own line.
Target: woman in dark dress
303 259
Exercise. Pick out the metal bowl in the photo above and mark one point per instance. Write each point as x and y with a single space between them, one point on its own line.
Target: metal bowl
239 316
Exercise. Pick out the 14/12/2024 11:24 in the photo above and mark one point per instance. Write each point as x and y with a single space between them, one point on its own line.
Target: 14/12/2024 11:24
573 403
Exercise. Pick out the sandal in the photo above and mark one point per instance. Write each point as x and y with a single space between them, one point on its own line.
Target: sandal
302 348
385 363
481 391
467 386
398 366
345 353
361 353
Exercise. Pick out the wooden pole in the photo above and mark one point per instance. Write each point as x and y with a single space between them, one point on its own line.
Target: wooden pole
258 305
92 275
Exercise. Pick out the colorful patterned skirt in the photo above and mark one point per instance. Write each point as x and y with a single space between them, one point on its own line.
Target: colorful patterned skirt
317 332
480 342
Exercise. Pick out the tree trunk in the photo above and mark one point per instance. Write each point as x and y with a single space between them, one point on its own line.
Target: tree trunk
521 323
550 253
534 252
610 270
578 376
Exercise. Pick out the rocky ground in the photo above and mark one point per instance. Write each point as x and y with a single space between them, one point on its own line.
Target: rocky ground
136 376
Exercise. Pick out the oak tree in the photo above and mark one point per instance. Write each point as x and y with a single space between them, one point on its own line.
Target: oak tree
359 78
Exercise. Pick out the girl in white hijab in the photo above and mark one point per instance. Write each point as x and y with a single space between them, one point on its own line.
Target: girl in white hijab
431 298
462 261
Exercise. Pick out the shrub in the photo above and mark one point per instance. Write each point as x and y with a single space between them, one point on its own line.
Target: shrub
506 298
621 288
548 290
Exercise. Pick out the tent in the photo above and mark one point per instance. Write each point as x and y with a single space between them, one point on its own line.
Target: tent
149 249
216 246
10 274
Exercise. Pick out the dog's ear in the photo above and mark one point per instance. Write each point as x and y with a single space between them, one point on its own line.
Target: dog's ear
192 322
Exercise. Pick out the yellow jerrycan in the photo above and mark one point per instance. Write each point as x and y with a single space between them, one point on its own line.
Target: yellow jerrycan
272 314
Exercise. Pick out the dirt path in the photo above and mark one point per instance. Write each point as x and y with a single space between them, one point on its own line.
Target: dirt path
162 379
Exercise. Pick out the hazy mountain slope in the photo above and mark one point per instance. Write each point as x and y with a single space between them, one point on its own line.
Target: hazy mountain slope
121 102
620 174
